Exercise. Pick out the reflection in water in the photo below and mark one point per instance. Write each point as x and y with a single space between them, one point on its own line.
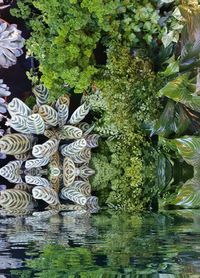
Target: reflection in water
109 244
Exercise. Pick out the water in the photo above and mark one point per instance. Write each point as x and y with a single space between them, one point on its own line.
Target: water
108 244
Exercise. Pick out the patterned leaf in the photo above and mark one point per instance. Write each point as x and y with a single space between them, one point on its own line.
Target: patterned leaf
37 181
64 99
82 157
85 172
83 187
11 43
92 203
19 123
51 133
47 149
74 147
46 194
11 171
70 132
35 124
85 127
24 187
63 111
55 173
4 89
18 107
79 114
41 93
69 171
23 156
92 140
15 143
34 163
73 195
15 199
49 115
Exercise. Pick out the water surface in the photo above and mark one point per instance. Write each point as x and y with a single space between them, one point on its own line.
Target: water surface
108 244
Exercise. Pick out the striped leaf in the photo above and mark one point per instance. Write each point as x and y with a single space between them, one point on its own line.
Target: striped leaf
85 172
74 147
24 187
92 203
15 143
23 156
70 132
55 173
79 114
46 194
69 171
11 171
15 199
18 107
37 181
74 196
19 123
49 115
47 149
65 99
41 93
92 140
35 124
83 156
63 111
83 187
34 163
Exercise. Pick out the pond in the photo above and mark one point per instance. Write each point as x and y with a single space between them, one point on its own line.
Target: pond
106 244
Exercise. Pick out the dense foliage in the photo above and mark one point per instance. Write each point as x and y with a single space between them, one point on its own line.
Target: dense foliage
137 65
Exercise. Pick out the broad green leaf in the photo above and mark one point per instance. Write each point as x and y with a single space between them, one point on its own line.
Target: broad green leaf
174 119
188 147
189 194
182 90
172 68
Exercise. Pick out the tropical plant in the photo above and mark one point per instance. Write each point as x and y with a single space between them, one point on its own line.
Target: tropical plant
65 154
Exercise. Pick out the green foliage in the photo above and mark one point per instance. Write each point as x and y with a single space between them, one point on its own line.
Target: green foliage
65 34
125 164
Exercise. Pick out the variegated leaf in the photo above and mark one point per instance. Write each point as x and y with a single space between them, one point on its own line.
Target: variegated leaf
35 124
46 194
15 199
15 143
23 156
85 127
19 123
85 172
18 107
82 157
83 187
11 171
74 147
79 114
63 111
49 115
24 187
69 171
70 132
74 196
34 163
37 181
47 149
41 93
55 173
62 100
92 140
92 203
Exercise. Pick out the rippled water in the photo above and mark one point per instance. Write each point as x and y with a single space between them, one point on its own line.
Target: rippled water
108 244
